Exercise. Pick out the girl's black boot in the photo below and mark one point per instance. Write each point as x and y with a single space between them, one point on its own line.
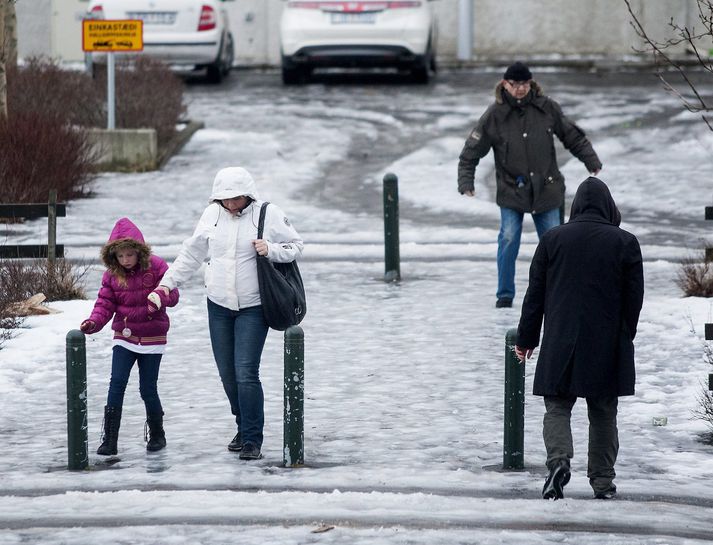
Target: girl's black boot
110 438
156 437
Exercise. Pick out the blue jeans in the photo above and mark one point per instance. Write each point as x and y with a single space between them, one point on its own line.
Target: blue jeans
121 363
237 338
509 244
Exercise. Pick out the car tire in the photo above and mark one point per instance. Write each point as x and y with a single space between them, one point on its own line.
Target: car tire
214 74
219 69
420 72
294 74
291 76
229 55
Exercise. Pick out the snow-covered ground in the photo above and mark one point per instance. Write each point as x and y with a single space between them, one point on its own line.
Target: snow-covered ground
404 383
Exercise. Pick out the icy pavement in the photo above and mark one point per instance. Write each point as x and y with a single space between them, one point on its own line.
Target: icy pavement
404 383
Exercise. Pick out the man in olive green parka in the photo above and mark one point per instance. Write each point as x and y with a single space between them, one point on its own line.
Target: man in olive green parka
520 128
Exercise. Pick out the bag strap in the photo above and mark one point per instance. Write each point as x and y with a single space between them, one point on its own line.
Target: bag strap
261 221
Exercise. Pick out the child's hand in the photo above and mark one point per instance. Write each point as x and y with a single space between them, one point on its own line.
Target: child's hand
88 326
156 300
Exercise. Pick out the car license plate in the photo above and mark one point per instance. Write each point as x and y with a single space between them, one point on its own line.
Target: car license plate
353 18
154 17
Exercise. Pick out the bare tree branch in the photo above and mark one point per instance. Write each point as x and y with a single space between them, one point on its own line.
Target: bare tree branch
665 62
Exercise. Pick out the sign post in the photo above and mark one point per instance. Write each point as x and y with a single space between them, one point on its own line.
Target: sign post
109 36
110 91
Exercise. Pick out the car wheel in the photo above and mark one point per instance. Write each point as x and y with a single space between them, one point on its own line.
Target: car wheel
229 56
420 70
216 71
291 76
294 74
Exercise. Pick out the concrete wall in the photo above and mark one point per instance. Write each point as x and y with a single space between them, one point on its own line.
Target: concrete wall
129 150
501 28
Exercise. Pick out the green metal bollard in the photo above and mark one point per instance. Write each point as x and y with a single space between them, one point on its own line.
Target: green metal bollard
293 426
514 437
77 446
392 260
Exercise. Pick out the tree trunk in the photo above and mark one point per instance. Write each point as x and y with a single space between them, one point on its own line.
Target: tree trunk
10 34
3 50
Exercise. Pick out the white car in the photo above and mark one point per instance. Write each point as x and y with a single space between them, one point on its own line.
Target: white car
191 33
366 33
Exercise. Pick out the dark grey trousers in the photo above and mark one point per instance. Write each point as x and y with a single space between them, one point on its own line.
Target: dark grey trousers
603 436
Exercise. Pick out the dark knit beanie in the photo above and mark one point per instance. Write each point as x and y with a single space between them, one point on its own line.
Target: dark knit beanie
518 72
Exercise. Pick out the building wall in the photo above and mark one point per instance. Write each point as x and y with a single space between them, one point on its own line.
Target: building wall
33 27
501 28
570 27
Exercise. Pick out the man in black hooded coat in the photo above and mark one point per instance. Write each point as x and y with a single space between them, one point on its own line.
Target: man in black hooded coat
586 282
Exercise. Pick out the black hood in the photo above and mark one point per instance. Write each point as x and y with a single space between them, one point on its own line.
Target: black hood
594 201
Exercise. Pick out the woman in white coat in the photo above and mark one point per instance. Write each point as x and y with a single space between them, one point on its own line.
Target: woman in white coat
226 236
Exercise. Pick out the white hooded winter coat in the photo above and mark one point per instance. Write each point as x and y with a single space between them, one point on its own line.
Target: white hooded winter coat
226 241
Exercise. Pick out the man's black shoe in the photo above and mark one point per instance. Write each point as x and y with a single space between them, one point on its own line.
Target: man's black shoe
503 302
608 494
250 452
556 481
236 445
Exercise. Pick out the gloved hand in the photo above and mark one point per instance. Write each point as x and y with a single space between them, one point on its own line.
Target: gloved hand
88 326
156 299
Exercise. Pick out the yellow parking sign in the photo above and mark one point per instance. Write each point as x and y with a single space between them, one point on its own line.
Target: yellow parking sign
112 35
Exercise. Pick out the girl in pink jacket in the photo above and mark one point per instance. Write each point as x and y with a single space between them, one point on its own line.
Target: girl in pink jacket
140 325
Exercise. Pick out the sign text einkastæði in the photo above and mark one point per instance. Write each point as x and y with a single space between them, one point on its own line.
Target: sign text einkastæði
112 35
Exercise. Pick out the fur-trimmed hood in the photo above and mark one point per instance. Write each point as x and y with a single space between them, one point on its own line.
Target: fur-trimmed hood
535 87
125 235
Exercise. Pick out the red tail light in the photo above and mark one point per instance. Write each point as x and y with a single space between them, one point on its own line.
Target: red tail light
208 19
354 7
97 12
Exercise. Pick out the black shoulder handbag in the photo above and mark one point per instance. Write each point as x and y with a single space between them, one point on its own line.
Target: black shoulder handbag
281 290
